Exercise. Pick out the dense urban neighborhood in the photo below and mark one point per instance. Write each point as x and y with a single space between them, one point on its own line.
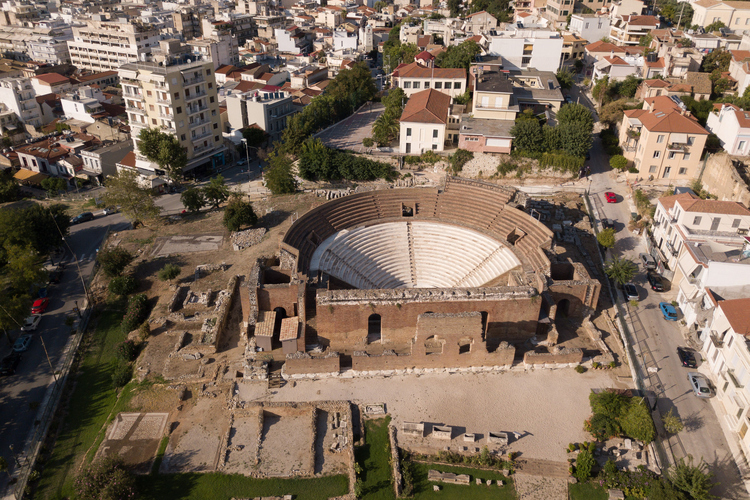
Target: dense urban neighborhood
375 249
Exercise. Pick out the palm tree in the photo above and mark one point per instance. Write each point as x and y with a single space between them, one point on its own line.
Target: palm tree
620 270
386 127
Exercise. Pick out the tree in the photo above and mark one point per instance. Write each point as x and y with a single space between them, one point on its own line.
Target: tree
394 102
53 185
193 199
565 78
279 177
255 137
165 150
316 161
576 113
353 86
455 7
645 41
612 113
584 464
385 129
629 86
599 92
41 227
168 272
459 159
637 422
216 192
620 270
105 479
715 26
4 466
618 162
717 59
527 136
459 56
695 480
135 202
609 402
8 187
576 138
122 285
379 5
606 238
672 423
239 213
551 138
114 260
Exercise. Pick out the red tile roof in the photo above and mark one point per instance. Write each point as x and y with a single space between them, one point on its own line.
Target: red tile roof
668 201
616 61
656 83
603 47
414 70
52 78
736 312
427 106
128 160
713 207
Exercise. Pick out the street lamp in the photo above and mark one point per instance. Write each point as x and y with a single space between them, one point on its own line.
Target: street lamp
247 155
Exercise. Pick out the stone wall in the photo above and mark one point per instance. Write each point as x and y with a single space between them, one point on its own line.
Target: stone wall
223 306
284 295
342 315
302 363
562 356
581 292
395 462
722 178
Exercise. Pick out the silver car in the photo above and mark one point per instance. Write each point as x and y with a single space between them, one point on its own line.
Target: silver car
700 385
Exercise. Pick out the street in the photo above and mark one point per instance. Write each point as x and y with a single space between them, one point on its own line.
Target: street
658 339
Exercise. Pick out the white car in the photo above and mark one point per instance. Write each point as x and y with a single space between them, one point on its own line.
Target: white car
700 385
30 323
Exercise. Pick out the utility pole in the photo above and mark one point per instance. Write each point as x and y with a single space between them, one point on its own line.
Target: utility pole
54 375
680 19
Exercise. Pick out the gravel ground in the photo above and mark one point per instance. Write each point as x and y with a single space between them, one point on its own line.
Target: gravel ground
540 488
546 407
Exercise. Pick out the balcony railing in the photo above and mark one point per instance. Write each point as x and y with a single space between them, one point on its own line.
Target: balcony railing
195 96
162 100
734 379
196 109
678 147
199 122
134 109
193 81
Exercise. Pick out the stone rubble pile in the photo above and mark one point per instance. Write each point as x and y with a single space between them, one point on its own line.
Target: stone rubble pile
247 238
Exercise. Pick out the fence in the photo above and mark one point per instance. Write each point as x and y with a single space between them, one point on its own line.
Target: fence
636 370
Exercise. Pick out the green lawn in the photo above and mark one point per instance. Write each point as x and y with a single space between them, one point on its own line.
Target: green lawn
586 491
373 457
423 487
93 399
216 486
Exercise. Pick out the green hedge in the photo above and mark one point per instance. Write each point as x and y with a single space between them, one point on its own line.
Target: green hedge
561 161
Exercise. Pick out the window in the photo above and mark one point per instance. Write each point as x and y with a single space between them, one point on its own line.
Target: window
525 61
697 221
457 85
407 85
671 155
213 112
657 154
417 85
741 145
652 169
434 134
216 125
691 140
408 132
427 85
216 138
736 223
447 85
683 171
438 85
153 121
151 107
148 93
210 85
660 139
737 21
176 95
434 147
178 110
211 99
686 156
182 137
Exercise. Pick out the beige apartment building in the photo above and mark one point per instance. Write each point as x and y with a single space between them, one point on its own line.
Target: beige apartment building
558 10
177 94
663 140
107 45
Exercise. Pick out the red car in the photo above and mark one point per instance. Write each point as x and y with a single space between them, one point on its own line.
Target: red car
611 197
39 306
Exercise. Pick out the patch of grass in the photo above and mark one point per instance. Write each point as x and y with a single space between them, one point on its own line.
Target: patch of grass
215 486
93 400
374 458
423 487
586 491
159 455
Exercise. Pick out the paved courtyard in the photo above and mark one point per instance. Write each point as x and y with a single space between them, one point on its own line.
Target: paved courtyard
348 133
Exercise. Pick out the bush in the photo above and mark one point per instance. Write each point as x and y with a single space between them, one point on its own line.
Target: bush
368 142
122 372
459 159
127 350
135 314
505 167
603 427
584 465
637 422
561 161
105 479
239 213
144 331
114 261
618 162
580 369
168 272
606 237
633 170
122 285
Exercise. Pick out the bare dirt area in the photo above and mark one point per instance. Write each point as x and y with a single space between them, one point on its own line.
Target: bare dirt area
540 488
287 442
329 445
242 445
135 437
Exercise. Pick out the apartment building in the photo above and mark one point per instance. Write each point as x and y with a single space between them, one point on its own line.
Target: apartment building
220 47
592 27
82 104
188 22
732 126
50 49
663 140
480 22
106 45
267 108
539 49
176 92
558 10
425 122
734 15
414 78
18 95
629 30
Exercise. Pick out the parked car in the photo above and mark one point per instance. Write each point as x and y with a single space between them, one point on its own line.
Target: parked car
687 358
82 217
22 343
656 282
608 224
668 311
9 363
39 306
30 323
611 197
647 260
55 275
568 99
241 163
109 211
631 292
700 385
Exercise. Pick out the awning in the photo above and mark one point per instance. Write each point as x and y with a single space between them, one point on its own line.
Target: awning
83 173
29 176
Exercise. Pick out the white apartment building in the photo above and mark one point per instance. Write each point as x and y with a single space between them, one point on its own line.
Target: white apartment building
413 78
106 45
177 94
82 104
592 27
266 109
50 49
343 39
18 96
424 122
220 48
539 49
732 126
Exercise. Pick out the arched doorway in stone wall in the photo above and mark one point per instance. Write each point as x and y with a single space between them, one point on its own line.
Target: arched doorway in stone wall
374 332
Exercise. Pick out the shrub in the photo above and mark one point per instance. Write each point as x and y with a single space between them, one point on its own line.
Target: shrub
105 479
633 170
168 272
368 142
122 285
637 422
122 372
580 369
459 159
135 314
505 167
239 213
606 238
144 331
114 261
584 465
618 162
672 423
561 162
127 350
603 427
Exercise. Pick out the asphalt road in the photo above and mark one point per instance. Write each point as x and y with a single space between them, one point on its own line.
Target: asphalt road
658 339
20 394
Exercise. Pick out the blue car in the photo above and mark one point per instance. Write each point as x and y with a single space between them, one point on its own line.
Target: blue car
668 310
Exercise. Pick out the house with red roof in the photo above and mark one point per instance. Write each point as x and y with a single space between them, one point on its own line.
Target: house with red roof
48 83
427 122
413 78
630 29
664 142
615 67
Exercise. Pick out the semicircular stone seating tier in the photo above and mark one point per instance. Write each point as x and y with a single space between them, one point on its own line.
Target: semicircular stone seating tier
415 254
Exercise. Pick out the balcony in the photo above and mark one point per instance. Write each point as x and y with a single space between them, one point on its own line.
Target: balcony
198 123
200 136
195 96
167 116
733 378
715 340
168 130
196 109
135 109
193 81
678 147
162 100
